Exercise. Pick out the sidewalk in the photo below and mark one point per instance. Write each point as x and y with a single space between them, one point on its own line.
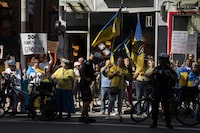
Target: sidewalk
100 119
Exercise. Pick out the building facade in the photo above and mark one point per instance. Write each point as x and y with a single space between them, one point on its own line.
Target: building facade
81 20
84 19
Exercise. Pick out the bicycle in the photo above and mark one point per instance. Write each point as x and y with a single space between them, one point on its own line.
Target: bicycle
186 105
41 106
183 106
145 105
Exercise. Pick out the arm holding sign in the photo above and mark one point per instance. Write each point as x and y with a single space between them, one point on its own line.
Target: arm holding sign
1 53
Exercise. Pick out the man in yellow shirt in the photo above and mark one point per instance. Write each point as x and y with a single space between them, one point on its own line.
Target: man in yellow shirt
118 74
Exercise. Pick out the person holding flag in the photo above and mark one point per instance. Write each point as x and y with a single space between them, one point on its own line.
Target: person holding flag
118 74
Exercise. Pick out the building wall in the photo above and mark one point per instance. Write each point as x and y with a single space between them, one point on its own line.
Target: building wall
34 21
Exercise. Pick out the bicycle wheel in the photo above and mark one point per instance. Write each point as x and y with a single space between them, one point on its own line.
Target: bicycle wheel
185 112
43 107
5 104
146 109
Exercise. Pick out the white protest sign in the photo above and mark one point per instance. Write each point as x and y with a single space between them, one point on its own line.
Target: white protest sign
179 42
34 43
192 43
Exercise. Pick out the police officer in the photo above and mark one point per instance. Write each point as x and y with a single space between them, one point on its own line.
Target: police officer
87 77
163 79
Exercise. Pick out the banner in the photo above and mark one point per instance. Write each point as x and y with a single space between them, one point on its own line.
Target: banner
33 43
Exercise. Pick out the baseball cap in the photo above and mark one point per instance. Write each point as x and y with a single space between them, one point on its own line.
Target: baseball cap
163 55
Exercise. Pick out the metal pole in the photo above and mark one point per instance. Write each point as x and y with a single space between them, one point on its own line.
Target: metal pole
23 30
156 34
41 19
88 36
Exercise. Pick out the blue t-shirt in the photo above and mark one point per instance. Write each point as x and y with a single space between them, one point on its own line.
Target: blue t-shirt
105 81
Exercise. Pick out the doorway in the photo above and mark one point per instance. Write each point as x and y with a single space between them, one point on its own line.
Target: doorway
76 46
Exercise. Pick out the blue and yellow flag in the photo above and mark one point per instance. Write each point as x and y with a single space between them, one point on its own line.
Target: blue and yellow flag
112 60
122 46
127 51
137 54
109 31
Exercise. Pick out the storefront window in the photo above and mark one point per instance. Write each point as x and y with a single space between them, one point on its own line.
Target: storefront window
5 21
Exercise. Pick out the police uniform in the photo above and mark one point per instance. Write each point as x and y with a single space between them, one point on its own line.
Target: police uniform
163 78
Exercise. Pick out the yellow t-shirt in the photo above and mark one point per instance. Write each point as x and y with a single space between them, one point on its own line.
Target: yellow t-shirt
65 78
117 80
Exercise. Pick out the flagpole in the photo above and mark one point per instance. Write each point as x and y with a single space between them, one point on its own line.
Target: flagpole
138 16
113 41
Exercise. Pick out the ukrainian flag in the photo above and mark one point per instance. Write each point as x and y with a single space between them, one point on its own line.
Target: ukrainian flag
112 60
137 54
125 42
122 46
109 31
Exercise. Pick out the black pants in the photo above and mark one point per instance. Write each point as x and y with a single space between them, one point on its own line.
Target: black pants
86 95
161 94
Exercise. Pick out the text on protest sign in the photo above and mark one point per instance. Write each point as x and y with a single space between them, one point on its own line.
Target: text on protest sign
34 43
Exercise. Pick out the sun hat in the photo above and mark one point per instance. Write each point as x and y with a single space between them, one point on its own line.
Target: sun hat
65 61
76 63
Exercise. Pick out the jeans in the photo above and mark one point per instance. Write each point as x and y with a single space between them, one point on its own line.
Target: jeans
120 95
141 90
104 91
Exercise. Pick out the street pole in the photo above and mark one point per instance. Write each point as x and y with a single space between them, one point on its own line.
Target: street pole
23 30
42 15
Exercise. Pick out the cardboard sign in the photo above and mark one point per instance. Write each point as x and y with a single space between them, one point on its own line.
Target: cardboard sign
52 46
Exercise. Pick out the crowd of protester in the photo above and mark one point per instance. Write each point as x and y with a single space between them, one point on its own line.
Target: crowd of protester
77 82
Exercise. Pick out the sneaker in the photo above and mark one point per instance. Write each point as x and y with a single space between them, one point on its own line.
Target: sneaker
59 115
108 117
145 114
102 113
113 114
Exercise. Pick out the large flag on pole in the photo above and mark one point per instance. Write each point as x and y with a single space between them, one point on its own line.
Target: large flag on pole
123 45
137 54
109 31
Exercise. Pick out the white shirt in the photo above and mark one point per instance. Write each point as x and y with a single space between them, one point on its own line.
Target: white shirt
17 74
